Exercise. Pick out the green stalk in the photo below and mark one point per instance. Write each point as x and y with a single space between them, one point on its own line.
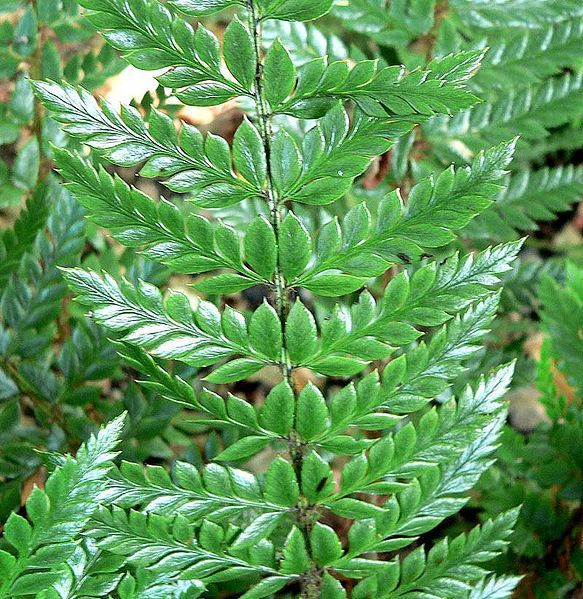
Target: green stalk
310 584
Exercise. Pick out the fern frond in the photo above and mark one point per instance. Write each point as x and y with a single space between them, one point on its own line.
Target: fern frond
19 240
332 154
189 244
562 314
187 161
523 59
169 545
409 382
58 515
438 437
528 112
379 91
429 298
452 566
152 37
185 532
530 14
170 328
529 197
32 296
404 233
219 494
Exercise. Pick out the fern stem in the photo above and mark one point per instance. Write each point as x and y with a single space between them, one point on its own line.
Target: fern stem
35 73
310 583
265 130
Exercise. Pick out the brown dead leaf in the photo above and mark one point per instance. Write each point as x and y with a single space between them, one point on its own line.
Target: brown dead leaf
532 348
36 479
303 376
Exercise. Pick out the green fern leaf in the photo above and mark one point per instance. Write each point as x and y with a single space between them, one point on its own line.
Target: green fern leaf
450 567
515 13
187 244
169 329
168 546
151 37
58 515
403 233
378 91
520 60
409 381
32 297
441 437
529 197
188 531
562 314
219 494
429 298
187 162
16 242
528 112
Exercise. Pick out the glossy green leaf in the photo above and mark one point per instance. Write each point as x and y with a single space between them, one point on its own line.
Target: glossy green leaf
295 246
295 555
277 414
300 334
312 413
244 448
261 247
249 154
279 72
265 332
281 486
239 52
234 371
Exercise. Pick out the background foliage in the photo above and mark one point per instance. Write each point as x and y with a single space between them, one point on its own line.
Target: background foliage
62 375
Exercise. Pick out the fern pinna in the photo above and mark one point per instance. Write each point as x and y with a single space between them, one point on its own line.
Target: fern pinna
404 464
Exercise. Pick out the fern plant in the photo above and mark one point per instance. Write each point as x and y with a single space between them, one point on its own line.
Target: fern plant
42 229
53 360
530 84
40 550
543 471
405 464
